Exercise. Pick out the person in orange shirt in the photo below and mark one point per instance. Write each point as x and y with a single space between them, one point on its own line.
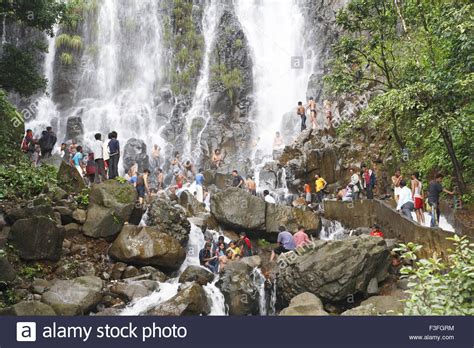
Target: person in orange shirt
307 191
376 231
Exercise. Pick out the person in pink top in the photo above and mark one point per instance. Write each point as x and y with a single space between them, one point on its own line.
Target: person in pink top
301 238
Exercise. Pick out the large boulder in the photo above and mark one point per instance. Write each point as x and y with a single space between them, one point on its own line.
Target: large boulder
240 290
385 305
196 274
111 203
291 218
37 238
74 297
30 309
135 152
147 246
238 209
7 272
169 219
191 299
69 179
191 204
305 304
333 270
74 128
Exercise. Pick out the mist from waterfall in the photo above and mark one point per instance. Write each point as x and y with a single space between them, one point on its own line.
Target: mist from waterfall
282 66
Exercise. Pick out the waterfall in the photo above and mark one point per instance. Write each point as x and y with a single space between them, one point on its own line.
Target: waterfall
332 230
259 281
275 31
199 112
4 29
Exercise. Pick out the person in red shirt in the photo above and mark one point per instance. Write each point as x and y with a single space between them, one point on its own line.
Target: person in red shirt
307 191
376 231
246 246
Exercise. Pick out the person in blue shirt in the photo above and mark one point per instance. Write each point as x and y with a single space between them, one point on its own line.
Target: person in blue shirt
77 161
285 241
199 185
114 155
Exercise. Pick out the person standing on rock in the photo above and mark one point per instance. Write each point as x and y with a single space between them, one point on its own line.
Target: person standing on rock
319 185
251 186
77 161
189 171
98 150
160 179
416 190
434 190
237 180
301 238
307 193
396 178
313 114
268 198
327 109
301 112
285 242
199 185
405 201
47 141
369 181
156 156
28 144
142 186
114 155
355 182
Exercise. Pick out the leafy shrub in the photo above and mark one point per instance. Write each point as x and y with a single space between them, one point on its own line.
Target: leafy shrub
83 198
436 287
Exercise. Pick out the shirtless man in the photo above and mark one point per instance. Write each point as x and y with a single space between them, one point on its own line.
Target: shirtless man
300 111
217 159
278 141
312 108
251 186
396 179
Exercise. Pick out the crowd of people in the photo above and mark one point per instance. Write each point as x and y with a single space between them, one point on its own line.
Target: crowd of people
39 148
312 108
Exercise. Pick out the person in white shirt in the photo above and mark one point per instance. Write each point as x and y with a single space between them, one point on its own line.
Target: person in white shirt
268 198
98 150
405 200
355 183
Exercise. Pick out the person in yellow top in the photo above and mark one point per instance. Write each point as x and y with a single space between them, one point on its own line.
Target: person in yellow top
320 184
233 251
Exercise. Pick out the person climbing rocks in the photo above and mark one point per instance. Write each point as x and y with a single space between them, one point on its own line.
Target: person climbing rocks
251 185
327 109
246 245
268 198
114 155
376 232
206 259
313 114
47 141
142 186
98 150
369 181
285 241
405 200
217 159
307 193
237 180
77 161
300 111
301 238
396 178
417 193
319 186
435 188
355 182
199 180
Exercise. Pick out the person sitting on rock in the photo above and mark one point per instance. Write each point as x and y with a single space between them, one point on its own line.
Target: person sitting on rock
245 245
233 251
221 255
142 186
285 241
301 238
405 200
206 258
376 231
268 198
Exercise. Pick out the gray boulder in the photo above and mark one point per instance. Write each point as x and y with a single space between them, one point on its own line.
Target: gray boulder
237 208
69 179
291 218
333 270
30 309
74 297
365 310
196 274
37 238
191 299
305 304
111 204
135 152
7 272
191 204
385 305
74 128
147 246
169 219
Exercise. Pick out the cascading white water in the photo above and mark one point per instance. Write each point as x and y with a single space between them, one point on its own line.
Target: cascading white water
274 29
4 29
443 222
332 230
200 107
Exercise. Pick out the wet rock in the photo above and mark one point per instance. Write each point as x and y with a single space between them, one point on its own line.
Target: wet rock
373 287
131 291
154 273
191 299
169 219
111 205
191 204
147 246
290 217
117 269
7 272
39 286
333 270
135 151
74 297
86 268
305 304
130 272
196 274
232 206
69 179
385 305
79 216
74 128
252 261
37 238
365 310
239 289
31 309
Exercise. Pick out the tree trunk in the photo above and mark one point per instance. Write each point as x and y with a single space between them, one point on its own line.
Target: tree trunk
399 140
457 168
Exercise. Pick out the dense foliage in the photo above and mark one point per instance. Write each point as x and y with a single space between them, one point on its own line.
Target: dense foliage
436 287
415 57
